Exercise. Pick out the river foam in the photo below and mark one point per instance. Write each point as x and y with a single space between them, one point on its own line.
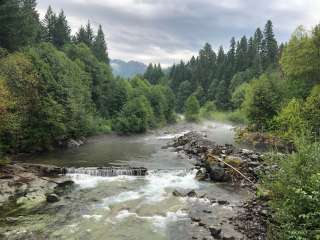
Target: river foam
159 222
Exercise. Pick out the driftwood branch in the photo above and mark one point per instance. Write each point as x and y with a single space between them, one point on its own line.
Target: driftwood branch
232 167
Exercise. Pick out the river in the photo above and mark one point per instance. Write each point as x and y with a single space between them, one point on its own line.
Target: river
130 207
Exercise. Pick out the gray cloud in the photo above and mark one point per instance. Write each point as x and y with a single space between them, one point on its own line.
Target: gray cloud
169 30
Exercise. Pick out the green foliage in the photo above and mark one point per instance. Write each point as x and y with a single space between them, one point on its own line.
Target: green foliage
241 78
100 47
263 100
101 79
299 118
19 24
239 94
215 76
153 74
295 191
207 110
53 96
136 117
300 58
85 35
290 122
269 47
312 111
237 117
222 96
192 109
184 91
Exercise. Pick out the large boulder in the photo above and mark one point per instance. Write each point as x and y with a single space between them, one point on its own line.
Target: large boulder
52 198
217 173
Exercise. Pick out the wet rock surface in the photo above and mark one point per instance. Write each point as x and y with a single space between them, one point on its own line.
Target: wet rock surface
225 164
218 162
253 219
29 184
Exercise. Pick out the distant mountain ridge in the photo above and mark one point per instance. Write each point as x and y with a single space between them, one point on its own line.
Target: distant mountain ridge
127 69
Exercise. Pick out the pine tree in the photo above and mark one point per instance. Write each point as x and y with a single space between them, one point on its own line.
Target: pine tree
48 23
85 35
251 52
61 34
153 74
221 61
19 23
30 30
81 35
257 40
89 34
231 59
206 66
269 46
100 46
242 54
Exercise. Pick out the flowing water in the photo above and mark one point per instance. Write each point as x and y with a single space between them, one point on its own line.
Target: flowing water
120 206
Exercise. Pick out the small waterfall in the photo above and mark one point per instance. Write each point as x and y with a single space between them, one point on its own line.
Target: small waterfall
109 171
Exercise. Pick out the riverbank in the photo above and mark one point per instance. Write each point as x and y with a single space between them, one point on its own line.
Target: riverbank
31 185
238 167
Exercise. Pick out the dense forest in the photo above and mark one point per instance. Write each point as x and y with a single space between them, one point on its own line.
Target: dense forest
55 86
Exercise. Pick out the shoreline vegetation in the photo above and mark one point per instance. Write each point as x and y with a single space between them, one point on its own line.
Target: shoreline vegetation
55 86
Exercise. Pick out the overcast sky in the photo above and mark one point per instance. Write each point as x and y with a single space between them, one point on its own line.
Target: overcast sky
166 31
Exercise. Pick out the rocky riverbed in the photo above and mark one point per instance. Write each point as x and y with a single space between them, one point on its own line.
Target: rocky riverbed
189 191
238 167
30 185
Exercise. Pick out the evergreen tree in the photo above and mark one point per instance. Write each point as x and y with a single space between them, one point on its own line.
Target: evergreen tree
242 54
80 36
269 47
222 95
100 47
153 74
257 40
231 59
221 63
178 74
61 33
85 35
185 90
89 35
206 66
49 23
19 23
251 52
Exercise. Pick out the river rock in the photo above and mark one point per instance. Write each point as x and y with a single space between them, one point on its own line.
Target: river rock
192 193
215 232
201 174
223 202
227 236
65 183
52 198
73 143
216 173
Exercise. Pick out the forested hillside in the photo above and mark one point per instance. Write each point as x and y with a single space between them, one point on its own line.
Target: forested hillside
54 85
